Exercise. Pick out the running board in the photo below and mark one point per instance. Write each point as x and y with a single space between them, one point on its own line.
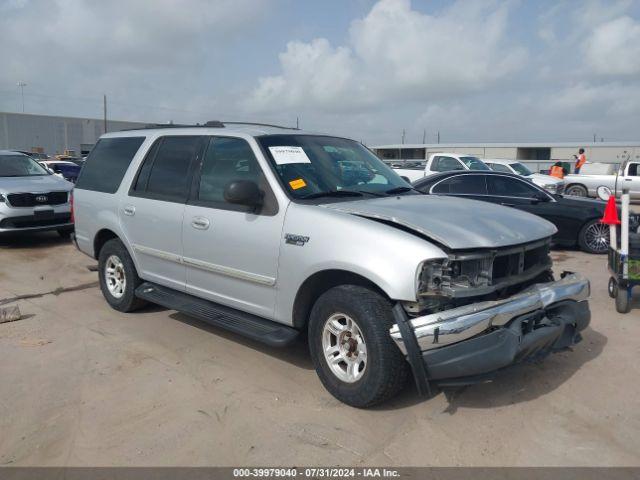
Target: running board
245 324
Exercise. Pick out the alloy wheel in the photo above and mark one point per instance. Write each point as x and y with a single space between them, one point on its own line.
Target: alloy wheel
344 347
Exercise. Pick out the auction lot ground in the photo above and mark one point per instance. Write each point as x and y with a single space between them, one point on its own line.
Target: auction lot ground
82 384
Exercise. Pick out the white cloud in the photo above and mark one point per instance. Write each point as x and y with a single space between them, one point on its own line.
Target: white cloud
395 53
613 48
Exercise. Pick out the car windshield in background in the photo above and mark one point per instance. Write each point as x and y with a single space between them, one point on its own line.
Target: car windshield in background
521 169
313 166
20 166
474 163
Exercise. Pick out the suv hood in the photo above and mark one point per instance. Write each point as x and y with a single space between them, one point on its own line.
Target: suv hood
34 184
455 222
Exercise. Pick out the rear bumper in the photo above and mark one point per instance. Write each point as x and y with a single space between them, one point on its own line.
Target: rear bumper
458 345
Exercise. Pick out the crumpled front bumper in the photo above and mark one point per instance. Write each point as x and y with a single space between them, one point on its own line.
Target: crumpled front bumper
480 338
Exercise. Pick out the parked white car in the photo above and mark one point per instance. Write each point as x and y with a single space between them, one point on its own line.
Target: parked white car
549 183
442 162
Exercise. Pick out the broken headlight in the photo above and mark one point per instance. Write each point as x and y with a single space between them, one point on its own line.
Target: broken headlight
445 276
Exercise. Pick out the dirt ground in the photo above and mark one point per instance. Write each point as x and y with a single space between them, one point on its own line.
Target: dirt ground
82 384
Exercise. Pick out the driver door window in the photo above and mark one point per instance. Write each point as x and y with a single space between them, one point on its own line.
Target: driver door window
227 160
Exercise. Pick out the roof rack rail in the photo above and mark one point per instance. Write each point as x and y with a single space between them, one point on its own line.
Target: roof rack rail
209 124
261 125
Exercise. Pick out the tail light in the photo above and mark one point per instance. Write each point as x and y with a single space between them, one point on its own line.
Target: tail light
72 219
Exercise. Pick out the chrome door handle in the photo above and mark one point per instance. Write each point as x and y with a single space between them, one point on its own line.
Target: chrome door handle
129 210
200 223
508 204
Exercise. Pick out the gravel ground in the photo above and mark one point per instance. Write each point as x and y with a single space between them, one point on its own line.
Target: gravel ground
82 384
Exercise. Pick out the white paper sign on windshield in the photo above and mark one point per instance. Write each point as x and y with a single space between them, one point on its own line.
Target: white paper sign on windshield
287 155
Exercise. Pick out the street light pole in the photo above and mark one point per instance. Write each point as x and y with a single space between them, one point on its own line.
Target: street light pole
22 85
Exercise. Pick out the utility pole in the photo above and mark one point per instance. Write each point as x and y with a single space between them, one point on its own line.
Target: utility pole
297 123
424 135
403 136
594 138
104 107
22 85
438 136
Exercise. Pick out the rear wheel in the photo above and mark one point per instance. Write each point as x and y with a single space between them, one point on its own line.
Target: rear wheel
353 353
118 277
576 191
594 237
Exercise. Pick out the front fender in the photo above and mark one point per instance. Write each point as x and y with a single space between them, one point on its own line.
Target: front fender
385 255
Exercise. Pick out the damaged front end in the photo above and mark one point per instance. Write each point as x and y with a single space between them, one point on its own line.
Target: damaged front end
480 312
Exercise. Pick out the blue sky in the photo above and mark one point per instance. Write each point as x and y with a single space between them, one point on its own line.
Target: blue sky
474 70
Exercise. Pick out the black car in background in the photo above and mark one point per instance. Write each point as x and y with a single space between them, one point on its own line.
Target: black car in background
577 219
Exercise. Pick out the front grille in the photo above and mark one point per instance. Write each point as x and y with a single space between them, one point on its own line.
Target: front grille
518 263
35 199
31 221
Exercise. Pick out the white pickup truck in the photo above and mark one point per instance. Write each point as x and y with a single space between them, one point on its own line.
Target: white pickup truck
442 162
595 175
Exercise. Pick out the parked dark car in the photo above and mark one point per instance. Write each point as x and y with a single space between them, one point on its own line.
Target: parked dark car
577 219
67 170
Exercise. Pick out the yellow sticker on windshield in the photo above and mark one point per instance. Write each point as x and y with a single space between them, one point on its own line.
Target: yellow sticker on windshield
297 183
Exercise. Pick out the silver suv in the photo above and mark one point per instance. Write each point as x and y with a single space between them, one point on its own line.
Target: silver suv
270 232
31 198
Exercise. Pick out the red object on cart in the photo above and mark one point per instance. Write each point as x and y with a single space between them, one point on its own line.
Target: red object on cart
610 216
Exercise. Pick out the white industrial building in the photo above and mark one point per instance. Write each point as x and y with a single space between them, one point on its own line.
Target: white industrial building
53 134
538 156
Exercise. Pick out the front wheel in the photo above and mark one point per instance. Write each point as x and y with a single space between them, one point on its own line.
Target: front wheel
594 237
352 351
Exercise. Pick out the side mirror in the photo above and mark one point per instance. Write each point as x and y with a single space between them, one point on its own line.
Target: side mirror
243 192
603 192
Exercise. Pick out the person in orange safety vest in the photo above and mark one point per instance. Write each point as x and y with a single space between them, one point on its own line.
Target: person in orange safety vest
557 170
581 160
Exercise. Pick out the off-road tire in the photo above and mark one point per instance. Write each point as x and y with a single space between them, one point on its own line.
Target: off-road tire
128 302
386 370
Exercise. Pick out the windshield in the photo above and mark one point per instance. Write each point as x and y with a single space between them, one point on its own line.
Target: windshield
310 165
20 166
474 163
521 169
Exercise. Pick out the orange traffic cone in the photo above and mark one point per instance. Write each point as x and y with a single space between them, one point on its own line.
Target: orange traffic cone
610 216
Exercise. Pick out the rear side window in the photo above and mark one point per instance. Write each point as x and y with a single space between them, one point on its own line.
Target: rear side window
166 171
462 185
107 163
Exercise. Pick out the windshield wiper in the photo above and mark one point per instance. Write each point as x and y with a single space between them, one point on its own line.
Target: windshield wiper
333 193
393 190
